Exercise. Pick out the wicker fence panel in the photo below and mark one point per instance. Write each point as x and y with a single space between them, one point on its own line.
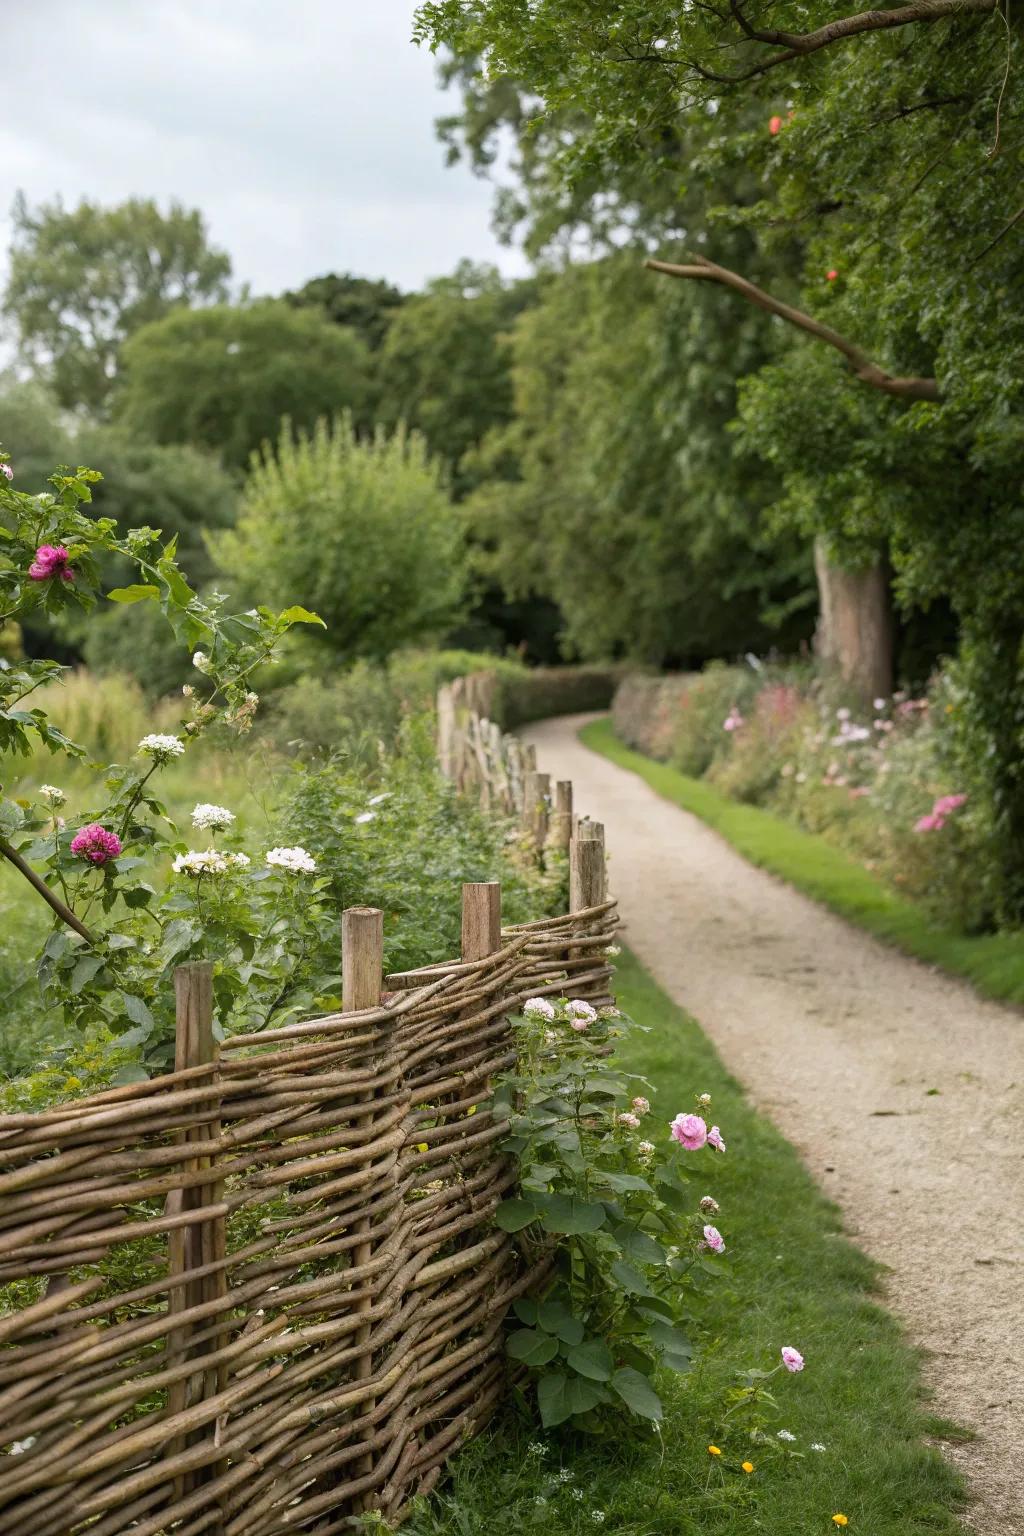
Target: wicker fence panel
264 1293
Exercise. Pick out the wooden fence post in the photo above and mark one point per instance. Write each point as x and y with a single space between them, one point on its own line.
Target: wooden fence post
481 918
204 1242
560 834
362 976
586 867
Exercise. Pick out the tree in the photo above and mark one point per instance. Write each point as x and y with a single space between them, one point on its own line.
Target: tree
888 211
616 490
82 280
366 305
362 531
445 366
224 378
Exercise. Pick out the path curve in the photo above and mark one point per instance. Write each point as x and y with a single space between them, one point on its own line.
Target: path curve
842 1041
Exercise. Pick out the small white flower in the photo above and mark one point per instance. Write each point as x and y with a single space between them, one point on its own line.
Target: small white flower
201 661
598 1516
704 1098
608 1012
801 778
642 1105
52 794
816 1445
161 747
613 950
550 1037
578 1009
631 1122
577 1494
535 1448
538 1008
239 860
842 714
784 1434
376 799
187 690
646 1149
540 1501
365 816
200 861
295 860
879 703
215 817
565 1476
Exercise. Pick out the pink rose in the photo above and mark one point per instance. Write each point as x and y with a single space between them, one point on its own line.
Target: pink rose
929 823
690 1131
96 844
947 804
51 560
579 1025
715 1139
714 1239
792 1359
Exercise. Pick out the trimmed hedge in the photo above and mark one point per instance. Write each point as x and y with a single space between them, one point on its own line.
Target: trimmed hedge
540 692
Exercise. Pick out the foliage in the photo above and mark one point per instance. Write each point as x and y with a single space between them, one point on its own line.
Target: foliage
82 280
445 365
616 489
853 162
624 1277
793 1276
366 305
224 378
363 528
536 693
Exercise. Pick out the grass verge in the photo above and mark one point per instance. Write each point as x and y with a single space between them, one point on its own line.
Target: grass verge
794 1280
994 963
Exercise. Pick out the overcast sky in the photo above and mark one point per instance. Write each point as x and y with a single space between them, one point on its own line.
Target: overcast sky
302 128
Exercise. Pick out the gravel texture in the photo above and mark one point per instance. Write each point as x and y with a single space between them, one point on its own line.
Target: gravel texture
901 1088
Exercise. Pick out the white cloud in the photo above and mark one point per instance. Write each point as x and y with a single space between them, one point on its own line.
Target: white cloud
303 130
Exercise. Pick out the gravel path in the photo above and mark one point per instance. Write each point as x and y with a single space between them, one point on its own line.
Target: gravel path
902 1090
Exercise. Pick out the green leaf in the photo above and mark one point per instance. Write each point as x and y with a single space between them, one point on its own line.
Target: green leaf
532 1347
513 1215
621 1182
593 1359
132 1073
525 1308
637 1393
555 1317
565 1213
137 593
298 615
85 969
639 1246
138 1011
582 1395
629 1279
552 1399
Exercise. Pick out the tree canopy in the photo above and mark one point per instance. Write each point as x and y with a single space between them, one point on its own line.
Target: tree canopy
365 304
223 378
82 280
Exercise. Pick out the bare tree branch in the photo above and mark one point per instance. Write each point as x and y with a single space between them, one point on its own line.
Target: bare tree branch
796 45
865 370
37 882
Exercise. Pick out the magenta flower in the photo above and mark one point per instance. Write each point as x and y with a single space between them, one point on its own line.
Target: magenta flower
51 560
690 1131
715 1240
930 823
96 844
792 1359
715 1139
947 804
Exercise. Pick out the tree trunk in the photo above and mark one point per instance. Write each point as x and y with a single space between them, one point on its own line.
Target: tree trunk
855 630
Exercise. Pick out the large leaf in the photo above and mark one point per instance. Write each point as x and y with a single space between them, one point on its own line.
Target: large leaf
553 1400
630 1279
297 615
513 1215
564 1213
593 1359
639 1246
555 1317
637 1393
532 1347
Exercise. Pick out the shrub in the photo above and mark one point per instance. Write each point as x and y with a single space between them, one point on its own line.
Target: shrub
701 735
644 711
361 530
538 693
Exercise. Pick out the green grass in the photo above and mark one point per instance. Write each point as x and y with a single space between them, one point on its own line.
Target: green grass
994 963
794 1280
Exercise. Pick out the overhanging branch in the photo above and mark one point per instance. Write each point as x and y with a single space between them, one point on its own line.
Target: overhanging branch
866 370
796 45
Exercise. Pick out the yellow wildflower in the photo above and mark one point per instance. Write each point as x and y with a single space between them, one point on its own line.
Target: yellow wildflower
713 1450
840 1520
748 1466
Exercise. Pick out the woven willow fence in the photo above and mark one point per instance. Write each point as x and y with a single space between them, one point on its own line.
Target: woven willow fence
264 1293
